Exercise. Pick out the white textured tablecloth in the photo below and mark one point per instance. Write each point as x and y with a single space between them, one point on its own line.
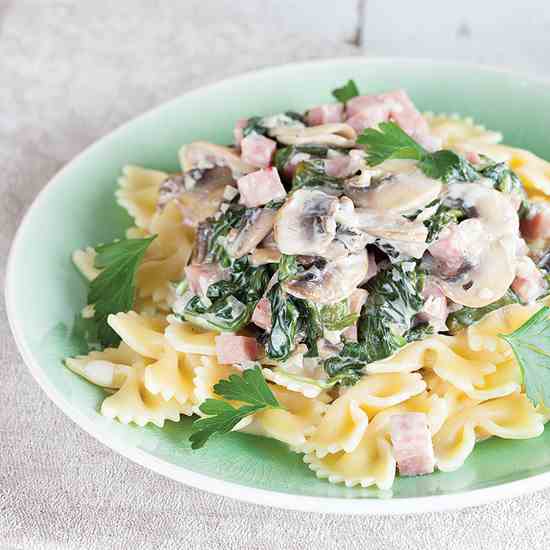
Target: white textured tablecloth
69 73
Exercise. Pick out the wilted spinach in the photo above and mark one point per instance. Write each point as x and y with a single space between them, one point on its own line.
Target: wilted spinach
280 341
385 323
311 173
232 301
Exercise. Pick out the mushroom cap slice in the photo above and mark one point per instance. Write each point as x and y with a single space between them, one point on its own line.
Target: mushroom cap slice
496 250
306 223
401 192
203 155
332 282
337 134
258 223
490 280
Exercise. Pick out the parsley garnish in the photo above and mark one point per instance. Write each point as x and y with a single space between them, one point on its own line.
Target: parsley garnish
391 142
346 92
250 388
531 346
114 289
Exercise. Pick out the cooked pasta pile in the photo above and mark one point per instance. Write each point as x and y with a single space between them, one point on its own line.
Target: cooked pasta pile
361 259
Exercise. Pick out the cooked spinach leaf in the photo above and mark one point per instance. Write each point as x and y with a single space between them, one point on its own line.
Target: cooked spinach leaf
506 181
232 301
311 173
444 215
254 125
385 323
281 340
337 316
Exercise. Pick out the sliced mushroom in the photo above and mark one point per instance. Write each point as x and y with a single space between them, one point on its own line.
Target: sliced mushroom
329 282
204 230
262 256
406 236
494 267
337 134
306 223
206 196
202 155
399 192
258 222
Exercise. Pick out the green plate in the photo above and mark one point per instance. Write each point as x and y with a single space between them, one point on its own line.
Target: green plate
77 208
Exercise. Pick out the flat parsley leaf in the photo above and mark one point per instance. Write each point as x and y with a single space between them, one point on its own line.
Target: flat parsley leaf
391 142
346 92
250 388
531 346
114 289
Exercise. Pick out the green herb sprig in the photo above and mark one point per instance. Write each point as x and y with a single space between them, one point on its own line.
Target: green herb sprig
114 289
250 388
346 92
389 141
531 346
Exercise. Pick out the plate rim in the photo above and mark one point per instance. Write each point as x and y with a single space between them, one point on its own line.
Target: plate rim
278 499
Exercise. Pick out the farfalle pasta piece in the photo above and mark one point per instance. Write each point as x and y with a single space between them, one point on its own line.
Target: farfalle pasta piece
187 338
483 335
171 376
347 418
209 372
138 193
510 417
143 334
292 424
108 368
452 130
297 374
478 379
84 261
133 402
372 461
166 257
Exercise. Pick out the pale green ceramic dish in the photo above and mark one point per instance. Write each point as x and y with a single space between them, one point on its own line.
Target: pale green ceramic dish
77 208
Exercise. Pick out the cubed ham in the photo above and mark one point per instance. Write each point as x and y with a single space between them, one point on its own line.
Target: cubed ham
369 111
472 157
537 223
257 150
457 246
529 283
238 136
231 349
200 277
435 310
261 187
356 301
412 443
262 314
324 114
292 163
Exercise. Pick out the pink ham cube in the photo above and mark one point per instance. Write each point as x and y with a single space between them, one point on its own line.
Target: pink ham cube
257 150
325 114
262 314
231 348
412 443
200 277
260 187
537 223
